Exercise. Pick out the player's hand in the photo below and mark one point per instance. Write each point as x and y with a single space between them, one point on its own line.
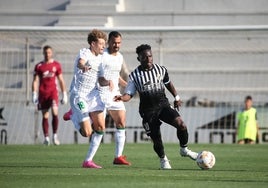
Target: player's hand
86 68
64 99
177 104
35 97
117 98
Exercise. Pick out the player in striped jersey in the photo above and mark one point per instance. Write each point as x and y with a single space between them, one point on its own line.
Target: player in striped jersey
112 62
86 105
150 81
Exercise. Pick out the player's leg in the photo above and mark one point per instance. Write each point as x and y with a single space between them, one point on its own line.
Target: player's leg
158 146
55 125
44 103
67 115
99 127
172 117
119 117
152 124
55 119
45 126
242 141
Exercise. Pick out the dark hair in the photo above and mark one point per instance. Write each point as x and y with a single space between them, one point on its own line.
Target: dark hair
94 35
248 98
114 34
46 47
142 47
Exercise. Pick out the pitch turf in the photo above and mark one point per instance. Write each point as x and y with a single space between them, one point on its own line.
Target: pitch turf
60 166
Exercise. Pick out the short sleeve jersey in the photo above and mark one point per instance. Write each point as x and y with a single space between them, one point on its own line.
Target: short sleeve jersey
150 85
84 82
112 65
47 73
247 124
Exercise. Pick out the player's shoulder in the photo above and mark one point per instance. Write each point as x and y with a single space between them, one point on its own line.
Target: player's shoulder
56 62
39 63
84 51
160 66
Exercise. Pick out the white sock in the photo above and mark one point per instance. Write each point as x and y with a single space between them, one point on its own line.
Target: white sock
165 158
120 137
94 145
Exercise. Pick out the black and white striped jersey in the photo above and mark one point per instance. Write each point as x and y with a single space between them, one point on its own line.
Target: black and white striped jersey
150 84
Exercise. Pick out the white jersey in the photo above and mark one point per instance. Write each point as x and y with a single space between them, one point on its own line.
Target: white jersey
111 67
85 82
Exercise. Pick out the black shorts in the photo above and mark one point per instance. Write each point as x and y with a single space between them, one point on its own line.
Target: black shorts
152 118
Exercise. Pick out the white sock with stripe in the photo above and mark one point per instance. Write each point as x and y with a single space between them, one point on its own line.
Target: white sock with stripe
94 145
120 138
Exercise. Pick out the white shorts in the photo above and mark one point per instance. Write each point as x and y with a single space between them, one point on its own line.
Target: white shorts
107 98
83 105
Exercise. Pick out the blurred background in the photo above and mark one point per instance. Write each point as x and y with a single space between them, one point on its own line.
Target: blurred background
216 52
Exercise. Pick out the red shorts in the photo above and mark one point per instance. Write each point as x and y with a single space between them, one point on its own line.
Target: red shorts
46 101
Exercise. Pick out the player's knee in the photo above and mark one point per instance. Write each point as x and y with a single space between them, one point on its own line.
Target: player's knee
85 133
180 124
120 125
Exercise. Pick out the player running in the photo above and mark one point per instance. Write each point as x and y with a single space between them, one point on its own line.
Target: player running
86 105
45 92
150 80
112 62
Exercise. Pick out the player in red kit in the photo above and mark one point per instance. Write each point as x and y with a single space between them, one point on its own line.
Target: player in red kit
45 92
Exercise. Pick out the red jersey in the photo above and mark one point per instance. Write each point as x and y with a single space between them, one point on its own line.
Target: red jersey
48 73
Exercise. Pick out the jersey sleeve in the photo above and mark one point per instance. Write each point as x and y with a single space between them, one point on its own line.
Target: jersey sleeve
130 88
166 79
83 54
59 69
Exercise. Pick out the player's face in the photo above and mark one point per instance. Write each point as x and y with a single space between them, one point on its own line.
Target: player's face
146 59
98 46
48 54
114 44
248 104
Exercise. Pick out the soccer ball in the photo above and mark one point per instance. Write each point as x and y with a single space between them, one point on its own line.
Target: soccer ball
205 160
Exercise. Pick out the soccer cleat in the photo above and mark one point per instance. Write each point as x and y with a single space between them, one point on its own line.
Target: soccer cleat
164 164
122 160
67 115
185 152
90 164
47 141
56 141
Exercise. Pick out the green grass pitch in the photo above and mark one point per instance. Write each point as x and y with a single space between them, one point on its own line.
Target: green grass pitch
34 166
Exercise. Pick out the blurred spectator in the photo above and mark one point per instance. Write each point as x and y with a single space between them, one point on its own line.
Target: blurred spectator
247 128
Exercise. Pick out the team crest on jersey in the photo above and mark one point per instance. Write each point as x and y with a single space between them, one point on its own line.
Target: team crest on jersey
159 77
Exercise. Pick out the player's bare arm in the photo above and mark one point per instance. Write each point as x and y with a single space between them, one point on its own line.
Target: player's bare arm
35 85
63 89
82 65
177 102
122 82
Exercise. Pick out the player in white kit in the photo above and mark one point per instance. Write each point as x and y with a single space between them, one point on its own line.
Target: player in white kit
112 62
86 105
